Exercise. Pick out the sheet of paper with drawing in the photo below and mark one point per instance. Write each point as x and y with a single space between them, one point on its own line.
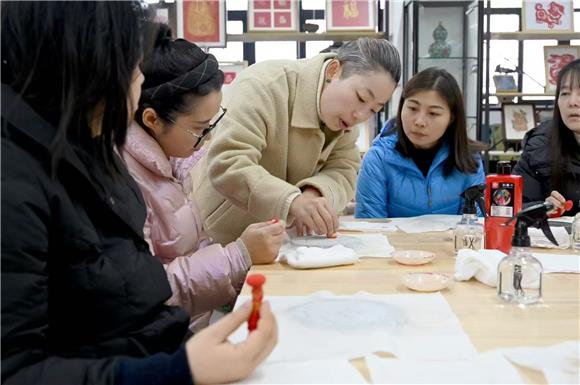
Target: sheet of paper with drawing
326 326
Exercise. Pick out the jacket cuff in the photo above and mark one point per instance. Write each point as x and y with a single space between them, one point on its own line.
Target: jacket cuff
158 369
286 208
245 253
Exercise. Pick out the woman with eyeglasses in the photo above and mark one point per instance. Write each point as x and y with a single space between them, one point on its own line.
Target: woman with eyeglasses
178 109
287 146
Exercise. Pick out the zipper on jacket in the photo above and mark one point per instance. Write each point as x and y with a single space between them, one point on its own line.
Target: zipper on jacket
429 194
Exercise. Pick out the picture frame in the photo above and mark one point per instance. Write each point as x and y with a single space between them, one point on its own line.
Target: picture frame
273 15
547 16
202 22
517 119
231 71
555 58
350 15
505 83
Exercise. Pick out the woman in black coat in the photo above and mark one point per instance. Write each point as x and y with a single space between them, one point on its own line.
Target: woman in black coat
550 162
82 297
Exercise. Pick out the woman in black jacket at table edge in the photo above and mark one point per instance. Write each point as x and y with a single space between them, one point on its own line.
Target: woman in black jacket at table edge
550 162
82 296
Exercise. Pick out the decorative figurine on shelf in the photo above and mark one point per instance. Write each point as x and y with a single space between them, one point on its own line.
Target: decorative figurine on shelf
439 48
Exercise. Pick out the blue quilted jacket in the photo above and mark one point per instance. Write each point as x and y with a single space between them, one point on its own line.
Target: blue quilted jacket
391 185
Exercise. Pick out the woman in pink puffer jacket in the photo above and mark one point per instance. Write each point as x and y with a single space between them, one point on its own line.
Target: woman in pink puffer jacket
180 96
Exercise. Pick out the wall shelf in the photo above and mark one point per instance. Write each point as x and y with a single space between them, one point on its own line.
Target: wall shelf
250 37
533 36
519 94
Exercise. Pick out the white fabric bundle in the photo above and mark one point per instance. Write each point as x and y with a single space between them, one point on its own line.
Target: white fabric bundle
481 264
315 257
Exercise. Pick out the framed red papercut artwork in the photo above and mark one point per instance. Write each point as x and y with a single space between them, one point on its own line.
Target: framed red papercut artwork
555 58
203 22
547 16
350 15
273 15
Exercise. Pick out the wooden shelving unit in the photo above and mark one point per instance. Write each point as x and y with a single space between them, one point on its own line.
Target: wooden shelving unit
519 94
251 37
533 36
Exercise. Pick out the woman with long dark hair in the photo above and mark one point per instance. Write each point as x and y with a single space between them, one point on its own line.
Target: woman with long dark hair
423 160
83 299
550 162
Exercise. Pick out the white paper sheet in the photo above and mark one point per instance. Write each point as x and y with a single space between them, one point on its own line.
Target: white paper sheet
367 226
486 368
426 223
323 326
339 371
559 263
373 246
560 363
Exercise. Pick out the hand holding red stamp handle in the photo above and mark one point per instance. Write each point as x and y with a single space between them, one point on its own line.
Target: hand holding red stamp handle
256 281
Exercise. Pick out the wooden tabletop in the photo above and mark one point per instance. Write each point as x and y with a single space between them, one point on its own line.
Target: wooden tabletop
489 322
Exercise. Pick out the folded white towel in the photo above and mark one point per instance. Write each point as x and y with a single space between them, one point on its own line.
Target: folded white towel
315 257
538 238
481 264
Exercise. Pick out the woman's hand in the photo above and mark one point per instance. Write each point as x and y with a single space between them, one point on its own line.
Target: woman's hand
313 214
214 360
557 200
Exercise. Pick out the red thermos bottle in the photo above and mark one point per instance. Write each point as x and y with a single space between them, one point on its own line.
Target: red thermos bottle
503 200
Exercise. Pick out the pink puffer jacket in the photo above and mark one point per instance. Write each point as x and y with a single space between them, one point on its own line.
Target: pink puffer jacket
203 276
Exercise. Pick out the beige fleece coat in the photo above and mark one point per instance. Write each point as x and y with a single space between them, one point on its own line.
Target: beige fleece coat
268 146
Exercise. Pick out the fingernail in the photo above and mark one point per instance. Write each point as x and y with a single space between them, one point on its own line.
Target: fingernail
274 220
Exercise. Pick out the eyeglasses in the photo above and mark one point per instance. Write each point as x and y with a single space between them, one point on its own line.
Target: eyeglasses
212 124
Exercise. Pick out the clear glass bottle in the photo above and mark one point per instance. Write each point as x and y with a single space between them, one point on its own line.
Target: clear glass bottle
575 236
468 233
520 277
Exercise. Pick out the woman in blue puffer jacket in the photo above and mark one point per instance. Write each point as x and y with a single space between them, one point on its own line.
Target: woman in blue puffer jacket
423 161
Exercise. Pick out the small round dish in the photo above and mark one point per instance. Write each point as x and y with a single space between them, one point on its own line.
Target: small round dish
413 257
426 281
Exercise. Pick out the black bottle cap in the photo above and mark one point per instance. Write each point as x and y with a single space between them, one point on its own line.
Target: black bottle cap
504 167
521 237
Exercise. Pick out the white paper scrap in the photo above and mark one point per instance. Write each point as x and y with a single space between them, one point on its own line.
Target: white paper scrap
486 368
426 223
366 226
559 263
560 363
339 371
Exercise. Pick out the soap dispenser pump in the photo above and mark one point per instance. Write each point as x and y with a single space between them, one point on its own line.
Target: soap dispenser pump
469 232
520 273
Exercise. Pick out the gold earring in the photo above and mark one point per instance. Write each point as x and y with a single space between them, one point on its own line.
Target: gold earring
327 80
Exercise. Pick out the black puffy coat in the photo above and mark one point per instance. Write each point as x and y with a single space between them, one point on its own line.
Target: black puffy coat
536 169
80 289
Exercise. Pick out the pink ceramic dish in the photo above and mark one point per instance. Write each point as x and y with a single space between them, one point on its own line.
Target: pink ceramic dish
413 257
426 281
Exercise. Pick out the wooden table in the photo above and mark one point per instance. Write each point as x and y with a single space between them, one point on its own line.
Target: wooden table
489 322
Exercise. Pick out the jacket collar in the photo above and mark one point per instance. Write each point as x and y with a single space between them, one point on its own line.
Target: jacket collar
304 111
145 150
390 142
